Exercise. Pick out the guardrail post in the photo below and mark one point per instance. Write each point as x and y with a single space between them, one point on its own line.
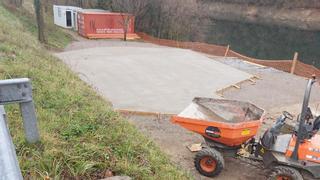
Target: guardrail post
9 166
29 121
20 91
294 63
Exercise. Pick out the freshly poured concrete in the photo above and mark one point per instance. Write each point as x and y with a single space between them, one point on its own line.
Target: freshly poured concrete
153 79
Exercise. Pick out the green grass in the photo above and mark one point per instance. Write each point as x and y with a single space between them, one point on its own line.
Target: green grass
81 135
56 38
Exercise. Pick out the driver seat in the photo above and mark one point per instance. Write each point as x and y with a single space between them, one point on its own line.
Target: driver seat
309 129
277 143
281 143
316 124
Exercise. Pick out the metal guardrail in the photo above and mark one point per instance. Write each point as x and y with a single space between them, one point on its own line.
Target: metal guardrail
20 91
9 166
15 91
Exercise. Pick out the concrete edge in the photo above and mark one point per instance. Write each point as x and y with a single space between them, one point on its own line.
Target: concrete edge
158 115
252 79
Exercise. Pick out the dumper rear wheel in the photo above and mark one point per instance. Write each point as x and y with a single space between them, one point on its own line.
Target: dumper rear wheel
209 162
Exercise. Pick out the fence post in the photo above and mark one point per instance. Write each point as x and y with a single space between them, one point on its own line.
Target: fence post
9 166
227 51
294 63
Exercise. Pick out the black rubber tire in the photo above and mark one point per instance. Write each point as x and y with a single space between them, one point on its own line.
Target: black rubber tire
215 155
293 173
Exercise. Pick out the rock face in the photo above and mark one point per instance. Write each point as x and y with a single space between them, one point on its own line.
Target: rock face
298 18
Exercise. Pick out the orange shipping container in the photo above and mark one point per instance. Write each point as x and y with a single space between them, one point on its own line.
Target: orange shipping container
105 25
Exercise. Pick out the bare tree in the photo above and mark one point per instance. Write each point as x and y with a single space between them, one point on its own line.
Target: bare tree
176 19
80 3
126 20
15 3
18 3
134 7
40 21
104 4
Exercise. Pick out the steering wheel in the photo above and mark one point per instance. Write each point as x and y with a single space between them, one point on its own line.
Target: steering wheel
287 115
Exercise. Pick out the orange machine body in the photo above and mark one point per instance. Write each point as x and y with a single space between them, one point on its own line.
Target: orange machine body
309 150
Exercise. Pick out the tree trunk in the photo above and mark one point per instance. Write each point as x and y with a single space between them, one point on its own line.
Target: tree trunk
80 3
18 3
40 21
125 34
126 22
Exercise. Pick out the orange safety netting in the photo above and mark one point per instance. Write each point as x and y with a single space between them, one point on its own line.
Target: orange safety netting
301 68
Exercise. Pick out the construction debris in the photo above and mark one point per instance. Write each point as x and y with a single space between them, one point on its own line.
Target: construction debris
195 147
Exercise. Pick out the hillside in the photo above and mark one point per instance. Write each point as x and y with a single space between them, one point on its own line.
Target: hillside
81 136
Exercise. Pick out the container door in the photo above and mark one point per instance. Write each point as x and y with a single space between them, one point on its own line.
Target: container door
69 18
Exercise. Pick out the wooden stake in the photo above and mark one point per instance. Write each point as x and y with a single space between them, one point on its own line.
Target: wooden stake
294 62
236 86
251 80
227 51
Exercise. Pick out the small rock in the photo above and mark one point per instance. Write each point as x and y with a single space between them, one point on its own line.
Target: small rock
108 173
118 178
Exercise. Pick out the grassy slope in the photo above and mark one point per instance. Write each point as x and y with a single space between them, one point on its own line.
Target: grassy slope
81 135
56 38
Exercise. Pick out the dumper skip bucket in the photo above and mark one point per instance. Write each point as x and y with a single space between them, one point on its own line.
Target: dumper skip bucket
228 122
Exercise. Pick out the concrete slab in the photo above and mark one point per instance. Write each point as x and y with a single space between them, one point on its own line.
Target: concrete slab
151 79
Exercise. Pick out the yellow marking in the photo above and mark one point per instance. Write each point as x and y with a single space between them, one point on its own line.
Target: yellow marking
245 132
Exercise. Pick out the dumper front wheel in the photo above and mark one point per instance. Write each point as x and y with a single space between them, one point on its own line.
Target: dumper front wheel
209 162
285 173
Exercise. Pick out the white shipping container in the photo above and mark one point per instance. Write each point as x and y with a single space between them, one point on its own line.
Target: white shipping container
66 16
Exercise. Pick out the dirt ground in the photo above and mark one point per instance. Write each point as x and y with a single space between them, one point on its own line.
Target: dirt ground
275 91
173 140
